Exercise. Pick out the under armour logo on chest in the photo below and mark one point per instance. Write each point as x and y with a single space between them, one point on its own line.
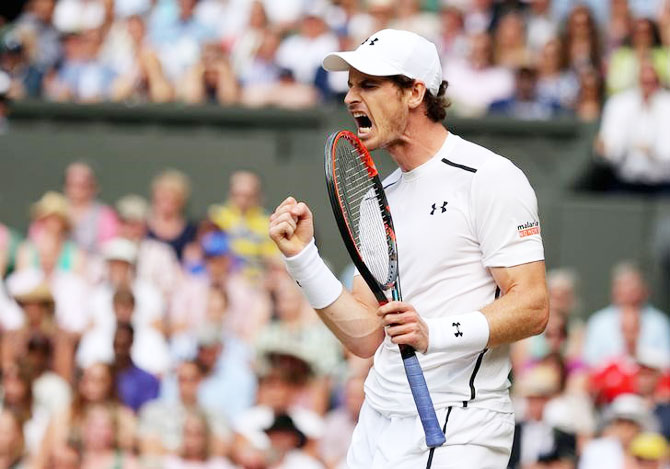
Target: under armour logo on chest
443 207
372 41
458 332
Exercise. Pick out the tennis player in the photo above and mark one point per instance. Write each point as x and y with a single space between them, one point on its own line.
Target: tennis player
471 268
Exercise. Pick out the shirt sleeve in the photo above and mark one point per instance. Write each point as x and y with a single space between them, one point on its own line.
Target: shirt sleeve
506 220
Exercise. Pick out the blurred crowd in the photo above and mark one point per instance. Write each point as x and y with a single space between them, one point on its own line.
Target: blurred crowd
132 336
531 59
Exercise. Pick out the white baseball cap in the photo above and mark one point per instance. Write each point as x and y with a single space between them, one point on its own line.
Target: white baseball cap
392 52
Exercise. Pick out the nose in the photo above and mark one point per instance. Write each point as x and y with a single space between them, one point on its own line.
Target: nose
351 97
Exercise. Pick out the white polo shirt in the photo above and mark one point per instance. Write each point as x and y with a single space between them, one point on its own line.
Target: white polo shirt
460 213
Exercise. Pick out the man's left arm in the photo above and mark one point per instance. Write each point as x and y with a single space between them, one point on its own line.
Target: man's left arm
523 310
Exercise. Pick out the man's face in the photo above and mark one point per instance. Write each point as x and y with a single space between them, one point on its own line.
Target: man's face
379 108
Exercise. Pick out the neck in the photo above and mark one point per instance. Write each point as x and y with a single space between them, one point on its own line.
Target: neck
418 144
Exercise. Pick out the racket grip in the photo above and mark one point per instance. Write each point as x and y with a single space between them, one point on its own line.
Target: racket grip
424 404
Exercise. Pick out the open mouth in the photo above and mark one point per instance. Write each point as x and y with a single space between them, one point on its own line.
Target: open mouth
363 122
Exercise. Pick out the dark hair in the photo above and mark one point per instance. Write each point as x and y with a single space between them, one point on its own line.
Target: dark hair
436 106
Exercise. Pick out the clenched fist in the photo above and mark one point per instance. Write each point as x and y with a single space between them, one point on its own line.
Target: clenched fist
291 226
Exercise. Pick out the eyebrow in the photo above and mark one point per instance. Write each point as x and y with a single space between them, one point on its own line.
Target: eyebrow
364 81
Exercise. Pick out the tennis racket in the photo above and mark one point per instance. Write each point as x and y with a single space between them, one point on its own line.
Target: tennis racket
364 220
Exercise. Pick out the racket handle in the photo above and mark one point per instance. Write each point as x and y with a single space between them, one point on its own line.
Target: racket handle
424 404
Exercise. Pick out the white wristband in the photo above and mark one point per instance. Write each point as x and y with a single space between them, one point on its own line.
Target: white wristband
318 283
460 334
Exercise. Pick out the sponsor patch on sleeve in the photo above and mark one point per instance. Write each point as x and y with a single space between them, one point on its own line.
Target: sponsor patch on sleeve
528 229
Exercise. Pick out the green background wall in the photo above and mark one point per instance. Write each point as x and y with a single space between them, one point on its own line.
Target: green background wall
127 145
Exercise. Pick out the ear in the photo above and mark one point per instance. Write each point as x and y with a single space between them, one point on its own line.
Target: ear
416 94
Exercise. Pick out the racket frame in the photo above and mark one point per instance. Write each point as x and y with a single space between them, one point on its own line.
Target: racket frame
434 435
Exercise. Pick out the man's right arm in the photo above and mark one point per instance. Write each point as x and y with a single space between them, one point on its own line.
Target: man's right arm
354 321
352 317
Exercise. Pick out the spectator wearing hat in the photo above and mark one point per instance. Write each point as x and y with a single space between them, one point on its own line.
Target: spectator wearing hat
156 262
625 419
283 378
248 308
33 296
297 331
62 300
652 367
48 246
650 451
150 350
629 324
286 445
93 222
161 427
535 436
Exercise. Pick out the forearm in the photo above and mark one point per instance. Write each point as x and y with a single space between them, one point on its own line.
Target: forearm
351 317
516 316
355 325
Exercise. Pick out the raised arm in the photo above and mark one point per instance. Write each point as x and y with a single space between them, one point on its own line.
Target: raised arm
352 317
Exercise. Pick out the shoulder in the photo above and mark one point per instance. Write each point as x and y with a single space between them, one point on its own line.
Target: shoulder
656 314
391 179
474 158
623 99
489 170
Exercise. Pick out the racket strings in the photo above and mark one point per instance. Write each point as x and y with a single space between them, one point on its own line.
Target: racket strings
362 209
